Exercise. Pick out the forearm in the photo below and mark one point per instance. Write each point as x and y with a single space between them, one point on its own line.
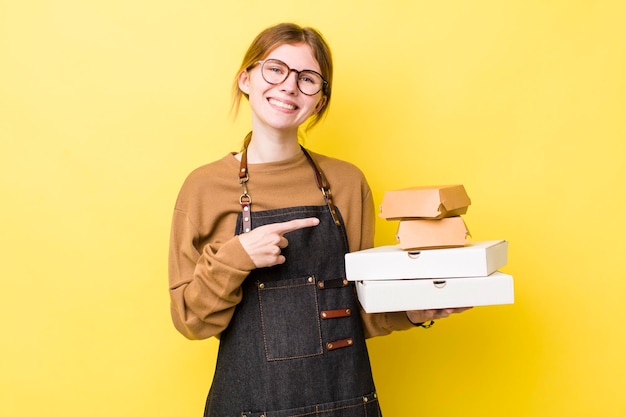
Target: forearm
203 302
380 324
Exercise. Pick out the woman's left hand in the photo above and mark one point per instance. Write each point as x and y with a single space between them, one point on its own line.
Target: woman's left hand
421 316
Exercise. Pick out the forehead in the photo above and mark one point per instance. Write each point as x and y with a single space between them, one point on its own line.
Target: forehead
299 56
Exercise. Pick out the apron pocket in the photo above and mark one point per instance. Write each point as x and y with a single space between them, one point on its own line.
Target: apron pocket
290 318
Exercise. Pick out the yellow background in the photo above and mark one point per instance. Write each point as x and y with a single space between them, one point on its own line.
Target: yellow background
107 105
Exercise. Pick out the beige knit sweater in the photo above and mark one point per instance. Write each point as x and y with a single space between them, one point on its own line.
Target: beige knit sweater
207 264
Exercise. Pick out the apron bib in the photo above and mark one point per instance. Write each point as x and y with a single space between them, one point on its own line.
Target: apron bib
295 345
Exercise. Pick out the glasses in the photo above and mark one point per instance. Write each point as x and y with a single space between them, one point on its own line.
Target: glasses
275 72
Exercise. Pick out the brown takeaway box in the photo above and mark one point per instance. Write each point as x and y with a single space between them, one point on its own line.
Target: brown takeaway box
430 202
432 233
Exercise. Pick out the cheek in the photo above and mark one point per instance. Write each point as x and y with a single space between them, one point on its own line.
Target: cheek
251 85
320 104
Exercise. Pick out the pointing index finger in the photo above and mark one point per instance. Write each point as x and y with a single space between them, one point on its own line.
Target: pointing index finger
291 225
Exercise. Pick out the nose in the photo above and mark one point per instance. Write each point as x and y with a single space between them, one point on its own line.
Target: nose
290 84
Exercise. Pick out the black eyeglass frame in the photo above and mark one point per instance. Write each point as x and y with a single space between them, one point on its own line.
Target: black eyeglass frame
289 71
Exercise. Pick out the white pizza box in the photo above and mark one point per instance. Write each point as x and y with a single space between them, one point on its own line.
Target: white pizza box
477 259
423 294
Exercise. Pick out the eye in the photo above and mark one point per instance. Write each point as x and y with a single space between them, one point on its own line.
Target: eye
309 78
275 68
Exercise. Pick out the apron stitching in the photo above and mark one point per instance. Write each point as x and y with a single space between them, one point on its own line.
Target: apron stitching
296 211
319 327
345 407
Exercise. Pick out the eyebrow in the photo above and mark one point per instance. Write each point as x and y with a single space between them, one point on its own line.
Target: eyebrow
319 71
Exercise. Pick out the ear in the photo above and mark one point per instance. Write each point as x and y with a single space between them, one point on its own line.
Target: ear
320 105
244 82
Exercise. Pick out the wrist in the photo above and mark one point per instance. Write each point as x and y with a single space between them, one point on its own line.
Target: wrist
425 324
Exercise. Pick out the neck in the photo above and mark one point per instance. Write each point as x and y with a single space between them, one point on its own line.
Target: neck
265 148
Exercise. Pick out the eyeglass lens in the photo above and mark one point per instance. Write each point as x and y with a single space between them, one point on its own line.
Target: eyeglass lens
275 72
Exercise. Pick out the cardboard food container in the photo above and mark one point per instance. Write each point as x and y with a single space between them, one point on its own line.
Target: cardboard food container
423 294
432 233
429 202
392 262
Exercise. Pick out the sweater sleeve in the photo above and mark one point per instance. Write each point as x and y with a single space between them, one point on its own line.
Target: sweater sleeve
205 284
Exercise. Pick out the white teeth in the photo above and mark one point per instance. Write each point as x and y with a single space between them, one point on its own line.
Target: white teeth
281 104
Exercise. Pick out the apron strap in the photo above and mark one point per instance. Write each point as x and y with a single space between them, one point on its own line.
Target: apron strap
323 185
245 201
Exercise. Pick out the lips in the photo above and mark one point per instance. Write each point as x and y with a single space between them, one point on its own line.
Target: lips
282 104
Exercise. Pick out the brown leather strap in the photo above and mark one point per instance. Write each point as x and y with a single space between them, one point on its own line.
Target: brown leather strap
323 185
337 344
334 314
246 201
243 165
245 216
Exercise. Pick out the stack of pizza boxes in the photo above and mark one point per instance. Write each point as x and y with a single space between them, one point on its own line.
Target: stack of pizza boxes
434 265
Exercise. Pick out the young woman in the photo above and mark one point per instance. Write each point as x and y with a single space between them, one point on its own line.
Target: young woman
257 251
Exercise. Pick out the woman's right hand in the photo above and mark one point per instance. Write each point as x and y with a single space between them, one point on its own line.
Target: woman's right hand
264 243
420 316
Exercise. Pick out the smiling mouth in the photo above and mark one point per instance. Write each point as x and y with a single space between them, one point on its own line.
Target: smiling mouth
281 104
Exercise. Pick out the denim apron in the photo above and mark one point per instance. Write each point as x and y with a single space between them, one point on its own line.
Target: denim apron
295 345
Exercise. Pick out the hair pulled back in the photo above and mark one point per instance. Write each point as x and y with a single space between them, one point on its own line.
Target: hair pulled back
292 34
